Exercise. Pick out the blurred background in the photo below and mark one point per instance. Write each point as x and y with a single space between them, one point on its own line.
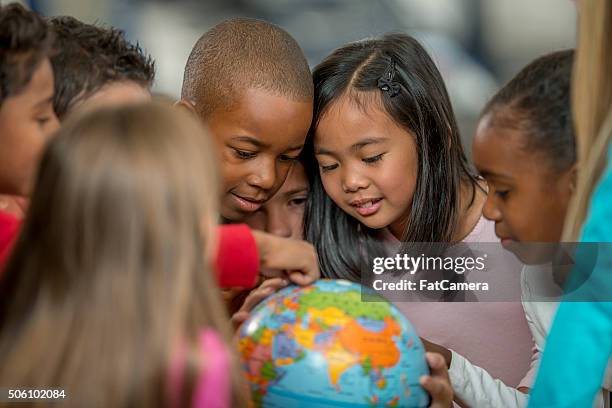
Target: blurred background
477 44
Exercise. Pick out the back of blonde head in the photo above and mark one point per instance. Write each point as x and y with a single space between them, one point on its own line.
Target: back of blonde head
592 106
109 274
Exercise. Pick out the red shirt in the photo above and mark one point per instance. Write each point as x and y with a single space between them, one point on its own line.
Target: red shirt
237 257
237 261
9 228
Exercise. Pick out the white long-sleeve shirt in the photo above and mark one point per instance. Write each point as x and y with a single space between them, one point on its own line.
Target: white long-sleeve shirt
476 387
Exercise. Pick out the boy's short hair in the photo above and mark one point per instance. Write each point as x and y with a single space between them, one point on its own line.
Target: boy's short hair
244 53
90 57
25 41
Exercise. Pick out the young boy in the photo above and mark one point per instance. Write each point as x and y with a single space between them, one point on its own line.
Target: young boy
250 82
92 66
26 91
27 119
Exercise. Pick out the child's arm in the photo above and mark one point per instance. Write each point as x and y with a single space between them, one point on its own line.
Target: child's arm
9 229
475 387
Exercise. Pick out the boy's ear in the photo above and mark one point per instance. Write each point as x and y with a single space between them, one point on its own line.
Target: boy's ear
186 104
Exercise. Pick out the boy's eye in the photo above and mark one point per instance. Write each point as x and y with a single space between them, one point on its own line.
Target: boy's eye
330 167
503 194
244 154
42 120
285 158
372 159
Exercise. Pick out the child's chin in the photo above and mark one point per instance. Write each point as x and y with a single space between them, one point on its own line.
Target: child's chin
374 222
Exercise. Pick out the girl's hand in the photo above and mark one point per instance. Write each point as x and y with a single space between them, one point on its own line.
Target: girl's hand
436 348
437 384
258 294
287 257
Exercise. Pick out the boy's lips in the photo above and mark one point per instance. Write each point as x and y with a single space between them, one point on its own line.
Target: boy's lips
247 204
366 206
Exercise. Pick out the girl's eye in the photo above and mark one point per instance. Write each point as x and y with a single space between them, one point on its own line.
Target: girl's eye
243 154
285 158
373 159
331 167
297 201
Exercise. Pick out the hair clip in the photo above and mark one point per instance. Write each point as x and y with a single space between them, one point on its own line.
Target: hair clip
386 82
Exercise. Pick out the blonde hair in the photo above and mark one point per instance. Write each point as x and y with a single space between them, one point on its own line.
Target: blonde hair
109 275
592 106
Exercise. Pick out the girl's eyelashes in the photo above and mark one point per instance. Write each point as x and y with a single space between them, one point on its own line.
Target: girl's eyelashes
244 154
297 201
330 167
373 159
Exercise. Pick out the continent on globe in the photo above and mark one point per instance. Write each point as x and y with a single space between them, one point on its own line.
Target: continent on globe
322 345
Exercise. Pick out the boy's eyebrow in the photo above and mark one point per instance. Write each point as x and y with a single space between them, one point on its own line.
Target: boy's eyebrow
251 140
296 147
368 140
44 102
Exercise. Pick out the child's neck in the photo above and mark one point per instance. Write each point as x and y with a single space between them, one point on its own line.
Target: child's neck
471 202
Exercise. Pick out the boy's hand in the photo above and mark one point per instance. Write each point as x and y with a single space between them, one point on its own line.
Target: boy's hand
258 294
284 256
437 384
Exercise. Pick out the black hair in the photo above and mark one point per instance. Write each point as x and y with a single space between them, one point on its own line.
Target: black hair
25 41
90 57
537 102
242 53
400 74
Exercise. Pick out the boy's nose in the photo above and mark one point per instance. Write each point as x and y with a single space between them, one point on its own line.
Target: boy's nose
263 177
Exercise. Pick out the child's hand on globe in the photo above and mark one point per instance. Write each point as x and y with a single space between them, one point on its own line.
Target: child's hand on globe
288 257
437 384
258 294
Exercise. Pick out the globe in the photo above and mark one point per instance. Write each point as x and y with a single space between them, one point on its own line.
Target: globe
331 344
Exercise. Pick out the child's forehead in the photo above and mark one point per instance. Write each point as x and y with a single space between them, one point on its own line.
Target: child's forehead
258 105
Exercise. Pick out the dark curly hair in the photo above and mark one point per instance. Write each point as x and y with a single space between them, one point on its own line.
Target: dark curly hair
90 57
25 41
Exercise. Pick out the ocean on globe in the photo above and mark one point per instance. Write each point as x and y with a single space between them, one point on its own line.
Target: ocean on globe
324 346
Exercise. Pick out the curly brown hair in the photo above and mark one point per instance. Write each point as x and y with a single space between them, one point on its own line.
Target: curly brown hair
25 41
90 57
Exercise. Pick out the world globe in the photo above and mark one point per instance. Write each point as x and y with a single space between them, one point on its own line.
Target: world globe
331 344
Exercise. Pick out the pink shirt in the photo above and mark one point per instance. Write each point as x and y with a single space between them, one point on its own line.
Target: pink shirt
492 335
213 386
